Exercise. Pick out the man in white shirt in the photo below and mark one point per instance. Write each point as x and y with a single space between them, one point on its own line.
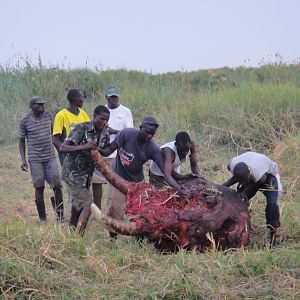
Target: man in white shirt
253 172
175 154
120 118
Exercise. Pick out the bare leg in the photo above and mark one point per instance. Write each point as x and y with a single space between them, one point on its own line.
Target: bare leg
84 218
97 193
116 208
74 217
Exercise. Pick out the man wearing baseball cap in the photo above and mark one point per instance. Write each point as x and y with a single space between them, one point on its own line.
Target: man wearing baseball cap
36 100
112 90
135 147
36 128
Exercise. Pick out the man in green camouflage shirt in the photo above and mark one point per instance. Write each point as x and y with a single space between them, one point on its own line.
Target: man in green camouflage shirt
78 165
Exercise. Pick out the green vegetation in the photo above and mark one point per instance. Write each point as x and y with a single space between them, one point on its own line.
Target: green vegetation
227 111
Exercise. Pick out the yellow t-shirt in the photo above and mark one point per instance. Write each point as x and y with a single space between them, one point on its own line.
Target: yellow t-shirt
65 122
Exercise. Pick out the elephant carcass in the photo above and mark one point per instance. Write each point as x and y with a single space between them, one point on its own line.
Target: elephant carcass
212 216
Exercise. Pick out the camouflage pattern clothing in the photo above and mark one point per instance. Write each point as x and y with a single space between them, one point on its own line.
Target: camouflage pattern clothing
78 166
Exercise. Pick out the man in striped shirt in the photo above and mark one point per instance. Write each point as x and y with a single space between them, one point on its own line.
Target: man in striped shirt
36 127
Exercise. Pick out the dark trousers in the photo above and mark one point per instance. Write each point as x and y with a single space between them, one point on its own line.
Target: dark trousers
270 190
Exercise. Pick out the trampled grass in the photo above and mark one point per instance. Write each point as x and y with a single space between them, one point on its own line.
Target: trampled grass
226 112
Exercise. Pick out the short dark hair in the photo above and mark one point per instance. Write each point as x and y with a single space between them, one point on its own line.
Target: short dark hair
100 109
240 169
73 94
182 137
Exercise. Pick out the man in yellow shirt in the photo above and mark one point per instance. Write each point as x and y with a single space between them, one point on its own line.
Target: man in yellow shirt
66 119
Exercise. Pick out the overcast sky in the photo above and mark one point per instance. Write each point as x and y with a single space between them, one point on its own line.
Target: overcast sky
155 36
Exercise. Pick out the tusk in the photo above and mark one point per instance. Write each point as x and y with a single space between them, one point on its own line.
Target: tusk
113 178
122 227
96 212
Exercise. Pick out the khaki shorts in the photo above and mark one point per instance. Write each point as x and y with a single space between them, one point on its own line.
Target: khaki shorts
46 170
98 178
80 196
116 203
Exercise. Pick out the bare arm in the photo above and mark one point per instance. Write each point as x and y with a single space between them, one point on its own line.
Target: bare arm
178 176
193 161
169 158
166 167
248 187
68 147
231 181
262 180
112 131
22 150
57 141
109 149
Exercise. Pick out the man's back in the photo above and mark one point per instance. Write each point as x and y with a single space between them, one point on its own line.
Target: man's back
258 163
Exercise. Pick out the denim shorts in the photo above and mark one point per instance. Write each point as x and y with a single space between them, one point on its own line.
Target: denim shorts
46 170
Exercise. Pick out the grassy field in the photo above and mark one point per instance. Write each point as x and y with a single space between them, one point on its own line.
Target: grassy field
226 111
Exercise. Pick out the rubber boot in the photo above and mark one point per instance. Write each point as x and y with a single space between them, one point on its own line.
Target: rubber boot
113 236
40 205
58 207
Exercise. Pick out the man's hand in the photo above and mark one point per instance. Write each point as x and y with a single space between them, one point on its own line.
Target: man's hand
91 145
112 131
24 166
183 192
243 196
191 175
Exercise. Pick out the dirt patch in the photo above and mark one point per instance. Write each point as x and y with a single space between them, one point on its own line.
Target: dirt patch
6 179
26 212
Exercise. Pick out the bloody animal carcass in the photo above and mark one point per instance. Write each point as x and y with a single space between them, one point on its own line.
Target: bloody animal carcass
213 216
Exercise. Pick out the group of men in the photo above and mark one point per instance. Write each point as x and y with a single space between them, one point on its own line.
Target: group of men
126 149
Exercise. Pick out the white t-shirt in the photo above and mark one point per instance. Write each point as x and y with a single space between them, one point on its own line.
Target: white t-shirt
120 118
154 168
258 164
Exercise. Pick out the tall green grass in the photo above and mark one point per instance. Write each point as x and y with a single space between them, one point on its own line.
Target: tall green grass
198 101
